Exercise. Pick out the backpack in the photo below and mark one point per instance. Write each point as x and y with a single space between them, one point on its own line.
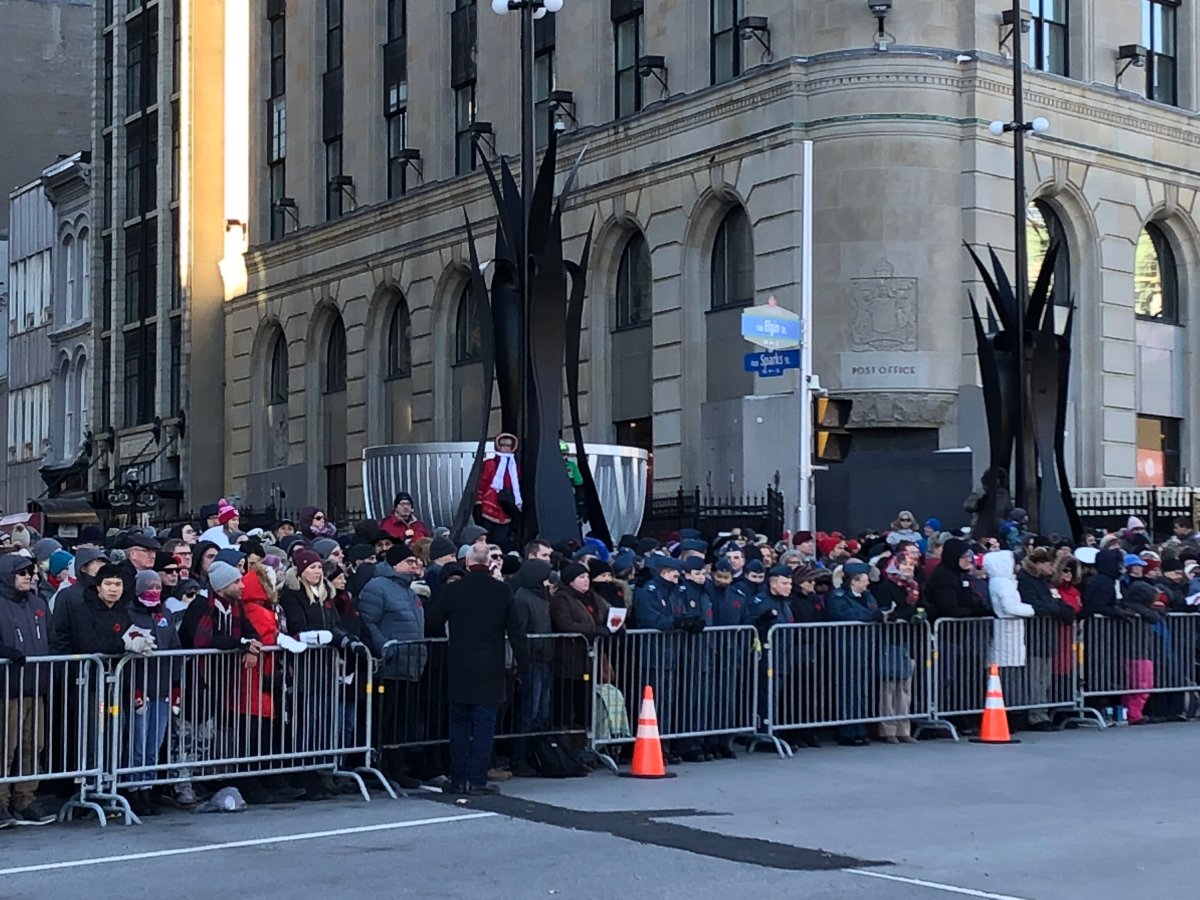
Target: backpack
554 757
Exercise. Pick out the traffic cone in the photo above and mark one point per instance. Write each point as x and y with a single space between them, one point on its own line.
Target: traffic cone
647 749
995 720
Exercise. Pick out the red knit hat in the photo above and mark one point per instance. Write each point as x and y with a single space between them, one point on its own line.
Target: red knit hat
226 512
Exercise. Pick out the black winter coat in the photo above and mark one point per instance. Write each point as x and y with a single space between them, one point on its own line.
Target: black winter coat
480 612
1042 641
948 594
92 626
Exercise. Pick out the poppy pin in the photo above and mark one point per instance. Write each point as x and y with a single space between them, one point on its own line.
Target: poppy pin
117 627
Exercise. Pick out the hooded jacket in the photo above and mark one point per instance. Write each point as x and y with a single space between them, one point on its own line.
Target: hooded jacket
1008 631
533 606
1102 592
391 611
948 593
24 627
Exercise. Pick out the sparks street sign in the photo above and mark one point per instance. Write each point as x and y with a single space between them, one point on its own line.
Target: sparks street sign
771 326
772 363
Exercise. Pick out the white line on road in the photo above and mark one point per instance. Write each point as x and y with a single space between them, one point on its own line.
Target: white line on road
233 845
932 885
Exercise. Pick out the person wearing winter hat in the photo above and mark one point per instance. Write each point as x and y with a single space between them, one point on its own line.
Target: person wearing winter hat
474 534
223 532
328 548
219 621
315 524
403 523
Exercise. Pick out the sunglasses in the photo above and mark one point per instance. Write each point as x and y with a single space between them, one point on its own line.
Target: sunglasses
496 556
191 595
26 572
171 571
320 516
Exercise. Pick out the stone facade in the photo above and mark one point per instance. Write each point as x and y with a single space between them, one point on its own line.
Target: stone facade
905 169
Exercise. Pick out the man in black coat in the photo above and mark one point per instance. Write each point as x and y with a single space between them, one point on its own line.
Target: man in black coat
481 612
1042 638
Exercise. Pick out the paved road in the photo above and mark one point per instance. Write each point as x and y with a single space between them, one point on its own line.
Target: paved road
1079 814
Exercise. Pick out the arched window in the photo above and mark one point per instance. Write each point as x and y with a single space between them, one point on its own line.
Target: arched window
399 345
335 358
83 263
468 340
81 403
733 261
1043 227
635 284
66 301
1155 277
277 385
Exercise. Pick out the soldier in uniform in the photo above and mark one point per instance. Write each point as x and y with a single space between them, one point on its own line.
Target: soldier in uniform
769 608
696 659
658 606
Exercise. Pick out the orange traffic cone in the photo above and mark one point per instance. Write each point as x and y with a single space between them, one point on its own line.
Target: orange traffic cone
995 719
647 750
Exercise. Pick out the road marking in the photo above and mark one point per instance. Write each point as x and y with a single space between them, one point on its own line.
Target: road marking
233 845
932 885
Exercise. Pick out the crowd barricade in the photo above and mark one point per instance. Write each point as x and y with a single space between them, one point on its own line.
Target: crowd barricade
830 674
187 716
1038 660
1132 657
51 729
704 684
412 694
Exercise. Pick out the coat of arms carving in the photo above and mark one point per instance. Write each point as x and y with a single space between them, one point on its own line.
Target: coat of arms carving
883 310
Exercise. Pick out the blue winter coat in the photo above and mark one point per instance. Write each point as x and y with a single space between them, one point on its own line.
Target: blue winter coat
391 611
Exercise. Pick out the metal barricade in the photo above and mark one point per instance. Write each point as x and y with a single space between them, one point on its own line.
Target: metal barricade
51 730
1135 659
184 716
704 684
412 696
1037 658
847 673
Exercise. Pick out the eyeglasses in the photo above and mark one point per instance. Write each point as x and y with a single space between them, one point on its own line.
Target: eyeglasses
319 516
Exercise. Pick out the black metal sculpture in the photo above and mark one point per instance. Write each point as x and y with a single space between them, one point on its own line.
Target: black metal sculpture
529 333
1043 397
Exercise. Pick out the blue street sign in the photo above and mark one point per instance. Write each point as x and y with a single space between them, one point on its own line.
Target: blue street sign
771 326
771 363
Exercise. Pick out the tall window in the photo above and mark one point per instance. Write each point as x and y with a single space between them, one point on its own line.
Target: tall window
726 44
175 386
1159 35
464 117
333 95
634 284
140 375
333 35
398 374
333 168
277 121
399 345
395 97
733 261
1155 278
629 24
1048 36
467 373
277 387
1043 227
397 140
543 84
332 421
397 19
335 359
468 339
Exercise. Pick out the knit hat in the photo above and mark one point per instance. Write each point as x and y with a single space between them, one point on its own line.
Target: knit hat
226 512
209 510
571 571
20 536
599 567
44 548
1172 565
472 533
332 569
622 563
147 580
359 552
646 545
441 547
87 555
110 570
802 537
510 565
230 557
1134 524
934 523
401 496
325 546
302 559
851 569
60 560
397 553
287 543
221 575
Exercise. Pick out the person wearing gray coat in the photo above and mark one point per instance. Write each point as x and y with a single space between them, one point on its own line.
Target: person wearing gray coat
393 619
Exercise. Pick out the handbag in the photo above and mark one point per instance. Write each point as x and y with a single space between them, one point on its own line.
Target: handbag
894 663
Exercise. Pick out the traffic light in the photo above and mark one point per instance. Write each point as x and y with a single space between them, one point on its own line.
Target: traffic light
831 440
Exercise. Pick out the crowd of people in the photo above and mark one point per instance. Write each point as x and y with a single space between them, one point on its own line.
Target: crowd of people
383 589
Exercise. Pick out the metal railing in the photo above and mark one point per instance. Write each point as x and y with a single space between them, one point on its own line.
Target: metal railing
1135 658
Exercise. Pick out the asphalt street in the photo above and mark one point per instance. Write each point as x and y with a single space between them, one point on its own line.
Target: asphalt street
1077 814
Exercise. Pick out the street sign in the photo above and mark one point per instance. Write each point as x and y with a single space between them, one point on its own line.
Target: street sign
771 326
772 363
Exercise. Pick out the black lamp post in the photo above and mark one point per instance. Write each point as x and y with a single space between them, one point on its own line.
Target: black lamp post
133 495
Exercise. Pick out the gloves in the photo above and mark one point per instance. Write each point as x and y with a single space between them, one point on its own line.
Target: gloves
767 619
421 589
693 625
316 638
13 655
360 648
289 643
137 642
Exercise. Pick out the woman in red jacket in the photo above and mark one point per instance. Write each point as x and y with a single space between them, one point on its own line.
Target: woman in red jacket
259 596
498 496
1064 586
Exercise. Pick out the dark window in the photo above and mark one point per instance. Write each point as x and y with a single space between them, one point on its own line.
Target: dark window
543 84
1043 226
135 51
333 35
278 179
726 44
277 389
106 283
141 165
399 347
628 38
1159 36
105 383
108 79
176 274
464 117
106 201
333 168
468 339
108 11
335 358
176 386
141 271
733 261
634 284
397 19
277 122
397 137
1157 451
176 46
1155 277
278 28
176 155
140 375
1047 49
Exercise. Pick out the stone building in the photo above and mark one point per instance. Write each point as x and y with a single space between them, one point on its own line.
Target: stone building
167 219
353 330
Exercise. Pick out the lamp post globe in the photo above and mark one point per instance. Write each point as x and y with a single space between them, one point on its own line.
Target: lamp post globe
500 7
553 5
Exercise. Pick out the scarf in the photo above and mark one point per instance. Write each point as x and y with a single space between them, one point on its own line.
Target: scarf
217 619
507 465
912 590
